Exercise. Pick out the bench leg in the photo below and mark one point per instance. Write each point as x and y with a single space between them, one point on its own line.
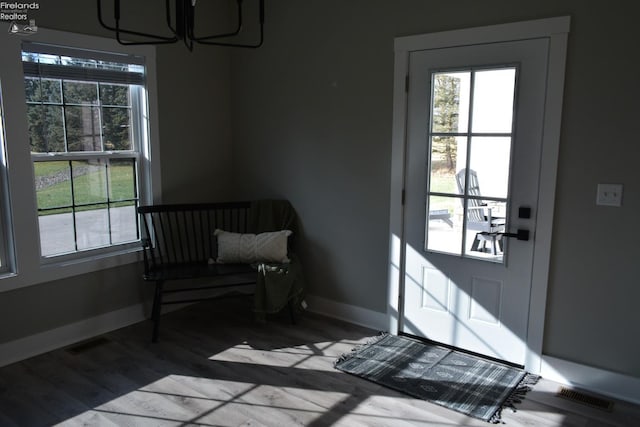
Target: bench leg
155 311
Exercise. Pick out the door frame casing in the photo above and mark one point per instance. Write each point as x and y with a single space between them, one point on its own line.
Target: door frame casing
556 30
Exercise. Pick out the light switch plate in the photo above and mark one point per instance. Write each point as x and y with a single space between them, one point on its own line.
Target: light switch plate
609 195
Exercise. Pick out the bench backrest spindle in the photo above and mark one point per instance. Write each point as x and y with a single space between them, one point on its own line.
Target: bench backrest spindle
183 234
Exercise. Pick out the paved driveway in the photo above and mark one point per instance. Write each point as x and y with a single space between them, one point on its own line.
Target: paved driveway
94 229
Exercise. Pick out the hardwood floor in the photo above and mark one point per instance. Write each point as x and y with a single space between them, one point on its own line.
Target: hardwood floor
216 366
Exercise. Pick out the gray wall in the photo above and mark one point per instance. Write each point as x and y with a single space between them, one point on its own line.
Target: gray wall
35 309
312 117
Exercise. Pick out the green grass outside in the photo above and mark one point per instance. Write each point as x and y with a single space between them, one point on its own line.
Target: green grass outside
50 168
121 186
443 183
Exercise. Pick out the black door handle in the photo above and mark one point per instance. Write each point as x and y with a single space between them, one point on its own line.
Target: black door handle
521 234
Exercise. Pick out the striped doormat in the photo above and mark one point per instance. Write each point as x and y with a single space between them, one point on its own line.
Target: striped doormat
471 385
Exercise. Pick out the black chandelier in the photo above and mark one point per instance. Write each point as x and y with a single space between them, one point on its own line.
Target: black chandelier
181 26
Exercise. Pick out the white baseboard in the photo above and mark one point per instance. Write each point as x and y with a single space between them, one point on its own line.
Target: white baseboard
33 345
349 313
608 383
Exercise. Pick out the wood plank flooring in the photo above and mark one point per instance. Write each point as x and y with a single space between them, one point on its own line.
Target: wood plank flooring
216 366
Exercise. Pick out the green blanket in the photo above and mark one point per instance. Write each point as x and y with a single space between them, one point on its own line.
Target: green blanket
276 284
272 215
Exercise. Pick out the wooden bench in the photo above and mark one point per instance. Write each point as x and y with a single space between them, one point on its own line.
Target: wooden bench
179 244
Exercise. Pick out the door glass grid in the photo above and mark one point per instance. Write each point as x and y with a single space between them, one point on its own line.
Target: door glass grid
470 138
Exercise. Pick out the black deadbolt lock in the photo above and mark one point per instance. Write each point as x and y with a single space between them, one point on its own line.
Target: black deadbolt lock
524 212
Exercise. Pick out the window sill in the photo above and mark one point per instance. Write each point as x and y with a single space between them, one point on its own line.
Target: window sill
57 270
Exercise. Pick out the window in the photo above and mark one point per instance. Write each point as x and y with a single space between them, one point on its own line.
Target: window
81 152
5 231
87 135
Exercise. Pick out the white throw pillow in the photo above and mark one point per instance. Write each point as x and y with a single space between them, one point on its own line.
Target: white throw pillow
249 248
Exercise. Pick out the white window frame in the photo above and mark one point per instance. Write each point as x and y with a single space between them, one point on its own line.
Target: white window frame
7 263
29 268
135 82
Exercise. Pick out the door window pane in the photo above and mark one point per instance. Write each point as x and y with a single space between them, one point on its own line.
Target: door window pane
493 95
443 161
484 222
450 102
444 231
489 159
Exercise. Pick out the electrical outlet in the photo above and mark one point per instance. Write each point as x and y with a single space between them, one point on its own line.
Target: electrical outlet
609 195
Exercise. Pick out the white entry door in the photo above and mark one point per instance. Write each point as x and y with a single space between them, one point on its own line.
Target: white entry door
474 135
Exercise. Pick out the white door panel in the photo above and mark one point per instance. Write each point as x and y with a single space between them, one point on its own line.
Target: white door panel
454 292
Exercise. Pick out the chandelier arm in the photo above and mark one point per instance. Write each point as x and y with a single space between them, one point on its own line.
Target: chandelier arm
119 31
168 16
184 28
188 14
217 36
